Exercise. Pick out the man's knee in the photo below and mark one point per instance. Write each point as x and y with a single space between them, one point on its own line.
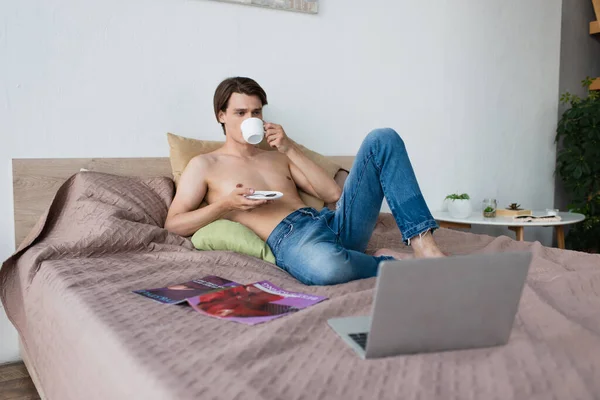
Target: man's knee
385 137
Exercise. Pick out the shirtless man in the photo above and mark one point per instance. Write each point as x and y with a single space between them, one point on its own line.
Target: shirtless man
316 247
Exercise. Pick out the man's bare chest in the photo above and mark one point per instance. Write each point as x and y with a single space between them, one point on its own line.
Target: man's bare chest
263 174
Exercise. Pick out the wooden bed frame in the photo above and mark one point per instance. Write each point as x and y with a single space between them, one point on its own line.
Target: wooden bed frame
36 181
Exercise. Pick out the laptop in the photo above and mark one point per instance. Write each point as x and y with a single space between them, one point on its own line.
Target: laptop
437 304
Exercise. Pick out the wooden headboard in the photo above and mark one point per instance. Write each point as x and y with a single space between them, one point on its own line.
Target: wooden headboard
35 181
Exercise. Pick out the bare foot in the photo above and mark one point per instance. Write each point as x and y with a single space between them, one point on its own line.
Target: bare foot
397 255
425 247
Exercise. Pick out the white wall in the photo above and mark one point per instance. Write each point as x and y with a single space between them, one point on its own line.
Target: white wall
471 85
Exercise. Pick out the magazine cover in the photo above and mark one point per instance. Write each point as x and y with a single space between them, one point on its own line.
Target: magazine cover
252 304
178 293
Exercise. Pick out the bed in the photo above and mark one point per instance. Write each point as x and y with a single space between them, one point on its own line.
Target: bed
87 240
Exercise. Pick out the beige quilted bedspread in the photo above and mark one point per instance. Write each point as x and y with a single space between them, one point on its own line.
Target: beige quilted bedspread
68 292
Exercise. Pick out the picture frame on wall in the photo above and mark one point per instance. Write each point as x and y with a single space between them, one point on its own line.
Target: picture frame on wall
303 6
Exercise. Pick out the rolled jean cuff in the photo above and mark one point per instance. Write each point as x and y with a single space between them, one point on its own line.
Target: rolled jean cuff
429 225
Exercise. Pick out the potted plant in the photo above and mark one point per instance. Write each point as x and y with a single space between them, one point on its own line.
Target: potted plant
514 207
459 205
489 212
489 208
578 165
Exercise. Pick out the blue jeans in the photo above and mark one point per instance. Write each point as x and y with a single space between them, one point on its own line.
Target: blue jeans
326 247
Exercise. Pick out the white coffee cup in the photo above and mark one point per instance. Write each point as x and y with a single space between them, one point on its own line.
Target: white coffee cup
253 130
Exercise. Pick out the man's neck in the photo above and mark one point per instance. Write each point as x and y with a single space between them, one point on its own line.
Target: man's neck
234 148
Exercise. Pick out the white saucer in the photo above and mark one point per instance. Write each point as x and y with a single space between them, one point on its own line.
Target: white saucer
265 195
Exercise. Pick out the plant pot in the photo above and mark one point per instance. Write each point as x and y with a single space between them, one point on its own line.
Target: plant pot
489 208
460 208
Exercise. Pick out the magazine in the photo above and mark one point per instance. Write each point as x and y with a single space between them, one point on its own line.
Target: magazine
540 218
178 293
252 304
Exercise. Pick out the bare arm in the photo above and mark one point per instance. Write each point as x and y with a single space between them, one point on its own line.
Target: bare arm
185 218
310 177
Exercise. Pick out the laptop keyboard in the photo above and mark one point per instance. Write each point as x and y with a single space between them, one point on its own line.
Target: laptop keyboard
360 339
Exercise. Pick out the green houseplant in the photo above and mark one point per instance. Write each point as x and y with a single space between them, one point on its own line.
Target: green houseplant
459 205
456 196
578 165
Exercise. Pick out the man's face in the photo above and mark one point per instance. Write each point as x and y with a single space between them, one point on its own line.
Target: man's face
240 108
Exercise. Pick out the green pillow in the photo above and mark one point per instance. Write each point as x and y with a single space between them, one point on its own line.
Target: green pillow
232 236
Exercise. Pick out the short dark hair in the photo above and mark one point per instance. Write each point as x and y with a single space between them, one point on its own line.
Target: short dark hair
237 84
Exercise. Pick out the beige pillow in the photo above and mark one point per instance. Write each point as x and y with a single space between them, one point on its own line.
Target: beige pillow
183 149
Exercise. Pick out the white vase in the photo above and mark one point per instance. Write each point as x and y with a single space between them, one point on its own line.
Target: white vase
459 208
